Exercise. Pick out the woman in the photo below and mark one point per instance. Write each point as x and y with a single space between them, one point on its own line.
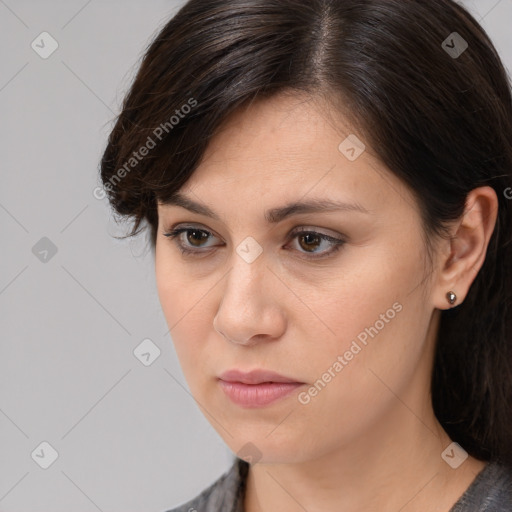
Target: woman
327 186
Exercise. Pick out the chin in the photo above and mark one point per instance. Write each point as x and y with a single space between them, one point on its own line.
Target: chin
258 446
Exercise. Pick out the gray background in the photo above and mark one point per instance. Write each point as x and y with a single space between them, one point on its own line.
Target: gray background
129 437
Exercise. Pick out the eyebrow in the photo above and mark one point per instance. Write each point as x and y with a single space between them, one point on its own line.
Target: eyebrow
274 215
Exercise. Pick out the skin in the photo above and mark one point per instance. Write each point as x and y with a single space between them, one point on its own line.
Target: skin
369 439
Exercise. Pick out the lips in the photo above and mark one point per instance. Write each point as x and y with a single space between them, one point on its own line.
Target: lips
257 388
255 377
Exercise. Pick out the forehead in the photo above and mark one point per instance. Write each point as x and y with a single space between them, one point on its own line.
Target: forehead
282 128
283 141
286 148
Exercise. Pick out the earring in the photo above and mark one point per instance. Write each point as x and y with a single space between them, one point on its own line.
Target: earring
451 297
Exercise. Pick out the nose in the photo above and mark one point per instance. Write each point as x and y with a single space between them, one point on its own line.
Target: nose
251 310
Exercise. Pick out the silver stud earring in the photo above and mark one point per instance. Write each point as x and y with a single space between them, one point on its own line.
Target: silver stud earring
451 297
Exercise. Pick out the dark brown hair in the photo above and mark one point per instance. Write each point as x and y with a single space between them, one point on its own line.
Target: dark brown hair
440 122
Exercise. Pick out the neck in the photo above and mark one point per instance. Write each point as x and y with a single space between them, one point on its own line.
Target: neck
396 466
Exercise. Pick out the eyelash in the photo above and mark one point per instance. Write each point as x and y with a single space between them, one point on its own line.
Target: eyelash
338 242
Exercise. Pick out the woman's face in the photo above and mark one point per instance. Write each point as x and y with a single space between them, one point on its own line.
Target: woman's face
347 322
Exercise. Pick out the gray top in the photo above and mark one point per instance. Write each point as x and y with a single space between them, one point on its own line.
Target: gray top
490 491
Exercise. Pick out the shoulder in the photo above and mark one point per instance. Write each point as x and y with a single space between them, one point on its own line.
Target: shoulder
225 494
500 488
491 491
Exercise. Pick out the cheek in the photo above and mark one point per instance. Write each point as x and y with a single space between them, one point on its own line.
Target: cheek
184 303
374 318
176 289
169 287
176 300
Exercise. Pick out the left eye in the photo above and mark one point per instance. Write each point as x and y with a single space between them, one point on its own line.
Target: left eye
308 239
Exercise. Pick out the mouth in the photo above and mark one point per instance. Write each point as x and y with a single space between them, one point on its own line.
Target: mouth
256 388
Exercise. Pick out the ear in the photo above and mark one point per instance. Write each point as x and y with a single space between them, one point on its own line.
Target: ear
461 258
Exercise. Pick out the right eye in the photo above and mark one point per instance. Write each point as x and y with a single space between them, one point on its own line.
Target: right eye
198 235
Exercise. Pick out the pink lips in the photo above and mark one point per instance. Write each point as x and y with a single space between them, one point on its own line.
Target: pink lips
257 388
